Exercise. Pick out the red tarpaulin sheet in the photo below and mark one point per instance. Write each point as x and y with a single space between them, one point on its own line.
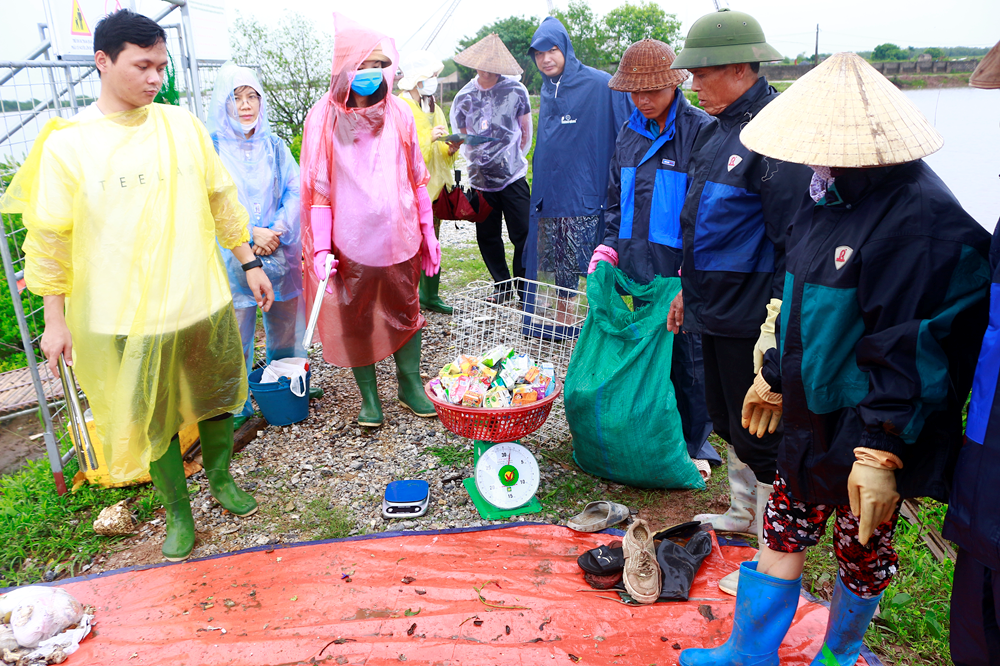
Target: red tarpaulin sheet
293 605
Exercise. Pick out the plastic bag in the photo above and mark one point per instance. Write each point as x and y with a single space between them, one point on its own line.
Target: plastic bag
293 368
39 613
680 555
620 402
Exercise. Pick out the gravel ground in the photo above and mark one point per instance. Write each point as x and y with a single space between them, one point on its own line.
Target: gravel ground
325 477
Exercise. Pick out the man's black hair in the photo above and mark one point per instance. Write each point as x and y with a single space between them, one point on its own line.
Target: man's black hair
754 67
126 27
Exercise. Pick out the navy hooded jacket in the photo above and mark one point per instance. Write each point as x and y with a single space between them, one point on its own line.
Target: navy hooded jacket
973 521
646 191
578 121
734 222
882 316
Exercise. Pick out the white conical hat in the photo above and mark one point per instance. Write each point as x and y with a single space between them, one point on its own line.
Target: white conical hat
987 74
843 113
489 54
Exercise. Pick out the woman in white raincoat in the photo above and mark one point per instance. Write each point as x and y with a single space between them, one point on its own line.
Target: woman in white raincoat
267 182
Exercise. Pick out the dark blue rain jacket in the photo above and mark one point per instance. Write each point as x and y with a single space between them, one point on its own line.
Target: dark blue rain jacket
883 312
734 222
646 190
578 121
973 521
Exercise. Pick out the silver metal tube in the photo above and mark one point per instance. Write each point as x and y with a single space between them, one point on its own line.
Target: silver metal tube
193 59
75 424
30 410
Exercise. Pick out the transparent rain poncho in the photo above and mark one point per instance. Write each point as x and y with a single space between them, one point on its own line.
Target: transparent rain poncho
367 165
267 180
125 215
496 113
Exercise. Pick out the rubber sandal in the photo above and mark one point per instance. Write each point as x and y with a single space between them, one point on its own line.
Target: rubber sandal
597 516
603 560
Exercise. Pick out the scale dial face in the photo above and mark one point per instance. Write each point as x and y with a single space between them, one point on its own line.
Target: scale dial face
507 475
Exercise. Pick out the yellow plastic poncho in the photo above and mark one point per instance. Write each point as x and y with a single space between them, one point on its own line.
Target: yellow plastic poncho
439 162
122 214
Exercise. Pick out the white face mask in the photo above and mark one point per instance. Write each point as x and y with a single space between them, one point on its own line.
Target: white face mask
428 86
248 126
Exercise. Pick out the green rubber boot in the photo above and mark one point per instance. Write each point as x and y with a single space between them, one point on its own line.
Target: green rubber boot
168 477
216 452
371 408
315 393
429 297
411 387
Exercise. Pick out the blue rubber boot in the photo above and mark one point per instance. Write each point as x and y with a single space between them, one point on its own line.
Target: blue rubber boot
850 616
765 607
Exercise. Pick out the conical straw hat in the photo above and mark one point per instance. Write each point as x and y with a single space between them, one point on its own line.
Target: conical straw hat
646 66
489 55
843 113
987 74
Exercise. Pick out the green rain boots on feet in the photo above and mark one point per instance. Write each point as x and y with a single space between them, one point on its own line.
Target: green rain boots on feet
216 453
429 296
411 387
168 476
371 408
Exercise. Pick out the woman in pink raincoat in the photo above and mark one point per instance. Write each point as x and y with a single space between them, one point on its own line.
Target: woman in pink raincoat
364 201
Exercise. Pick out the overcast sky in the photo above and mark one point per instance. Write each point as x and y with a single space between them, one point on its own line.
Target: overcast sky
845 25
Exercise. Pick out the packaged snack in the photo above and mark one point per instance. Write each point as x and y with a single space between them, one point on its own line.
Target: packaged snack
474 396
532 374
457 392
523 395
547 370
518 365
497 398
494 356
438 390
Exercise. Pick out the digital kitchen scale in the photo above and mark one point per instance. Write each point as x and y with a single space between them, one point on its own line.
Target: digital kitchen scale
406 499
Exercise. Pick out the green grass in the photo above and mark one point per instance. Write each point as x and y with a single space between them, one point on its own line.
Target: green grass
43 531
326 520
452 455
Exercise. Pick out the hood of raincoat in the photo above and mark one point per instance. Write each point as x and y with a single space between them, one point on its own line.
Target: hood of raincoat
578 122
267 180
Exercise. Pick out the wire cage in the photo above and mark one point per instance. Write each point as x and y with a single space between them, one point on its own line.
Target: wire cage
535 318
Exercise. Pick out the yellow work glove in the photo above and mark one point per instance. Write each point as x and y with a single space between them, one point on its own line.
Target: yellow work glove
761 408
766 340
871 488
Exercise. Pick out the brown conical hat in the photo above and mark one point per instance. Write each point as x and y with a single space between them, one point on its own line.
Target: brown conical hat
843 113
489 55
987 74
646 66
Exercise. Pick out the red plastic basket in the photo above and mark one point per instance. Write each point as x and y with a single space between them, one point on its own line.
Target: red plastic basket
493 425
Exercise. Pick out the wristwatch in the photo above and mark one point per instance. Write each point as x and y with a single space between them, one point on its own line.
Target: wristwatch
256 263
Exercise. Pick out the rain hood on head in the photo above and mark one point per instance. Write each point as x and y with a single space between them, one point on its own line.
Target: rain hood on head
267 180
362 160
578 123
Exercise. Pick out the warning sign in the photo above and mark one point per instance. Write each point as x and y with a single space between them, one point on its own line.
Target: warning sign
79 24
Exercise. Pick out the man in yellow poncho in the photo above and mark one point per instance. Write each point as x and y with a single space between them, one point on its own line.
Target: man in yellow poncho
123 206
417 87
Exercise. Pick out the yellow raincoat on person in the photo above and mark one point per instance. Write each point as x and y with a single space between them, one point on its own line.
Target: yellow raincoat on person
122 214
440 163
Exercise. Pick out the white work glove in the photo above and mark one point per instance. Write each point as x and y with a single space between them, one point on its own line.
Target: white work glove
766 340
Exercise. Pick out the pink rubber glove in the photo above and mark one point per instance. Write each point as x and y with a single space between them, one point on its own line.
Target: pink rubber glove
321 218
602 253
430 248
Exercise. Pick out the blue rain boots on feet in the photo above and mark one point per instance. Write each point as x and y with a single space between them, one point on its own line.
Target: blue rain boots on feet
168 477
765 607
216 453
850 616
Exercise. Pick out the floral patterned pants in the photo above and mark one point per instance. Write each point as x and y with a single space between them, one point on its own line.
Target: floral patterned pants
791 526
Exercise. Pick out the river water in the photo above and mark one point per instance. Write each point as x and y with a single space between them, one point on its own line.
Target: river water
969 162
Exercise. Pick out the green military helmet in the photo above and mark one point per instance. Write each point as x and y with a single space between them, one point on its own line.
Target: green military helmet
723 38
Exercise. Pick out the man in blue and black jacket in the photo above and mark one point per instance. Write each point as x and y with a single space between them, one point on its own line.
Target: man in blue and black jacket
883 310
973 521
648 182
734 219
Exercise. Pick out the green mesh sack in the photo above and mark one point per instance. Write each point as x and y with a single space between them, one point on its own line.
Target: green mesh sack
620 402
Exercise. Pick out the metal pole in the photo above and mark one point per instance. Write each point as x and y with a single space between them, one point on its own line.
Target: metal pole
55 461
56 103
816 57
193 59
72 93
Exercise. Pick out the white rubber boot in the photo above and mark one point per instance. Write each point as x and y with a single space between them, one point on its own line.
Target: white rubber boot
740 517
729 583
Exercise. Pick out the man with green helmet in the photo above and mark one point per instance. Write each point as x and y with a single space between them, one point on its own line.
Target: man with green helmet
733 224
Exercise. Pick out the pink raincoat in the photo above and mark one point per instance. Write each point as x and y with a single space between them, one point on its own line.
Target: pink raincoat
366 163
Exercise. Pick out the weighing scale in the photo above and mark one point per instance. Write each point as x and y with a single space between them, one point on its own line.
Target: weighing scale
505 480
